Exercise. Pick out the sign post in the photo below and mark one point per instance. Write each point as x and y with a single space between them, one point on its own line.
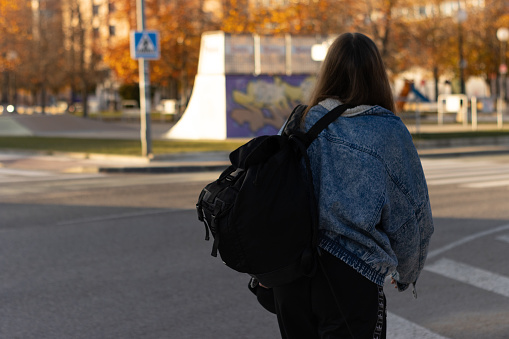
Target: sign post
144 47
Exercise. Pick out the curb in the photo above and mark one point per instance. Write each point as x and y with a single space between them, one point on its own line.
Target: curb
485 141
203 167
444 153
164 169
194 162
78 155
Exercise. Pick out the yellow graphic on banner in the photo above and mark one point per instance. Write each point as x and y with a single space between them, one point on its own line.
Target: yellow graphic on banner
266 103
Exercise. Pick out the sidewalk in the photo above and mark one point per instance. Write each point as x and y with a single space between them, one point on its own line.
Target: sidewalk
189 162
98 163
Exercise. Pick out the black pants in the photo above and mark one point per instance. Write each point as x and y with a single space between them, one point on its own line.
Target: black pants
308 309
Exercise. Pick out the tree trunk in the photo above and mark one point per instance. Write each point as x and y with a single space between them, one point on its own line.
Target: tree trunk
43 98
84 98
5 90
435 76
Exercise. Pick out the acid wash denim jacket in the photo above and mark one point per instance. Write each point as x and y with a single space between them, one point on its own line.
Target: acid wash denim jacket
374 207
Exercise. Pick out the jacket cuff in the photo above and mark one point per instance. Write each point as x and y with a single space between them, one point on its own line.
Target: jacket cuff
401 286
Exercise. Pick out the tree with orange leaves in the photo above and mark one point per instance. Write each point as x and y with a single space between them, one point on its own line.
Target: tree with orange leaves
313 17
15 34
180 23
403 39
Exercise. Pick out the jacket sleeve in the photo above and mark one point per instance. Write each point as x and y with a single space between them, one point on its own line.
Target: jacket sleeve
410 239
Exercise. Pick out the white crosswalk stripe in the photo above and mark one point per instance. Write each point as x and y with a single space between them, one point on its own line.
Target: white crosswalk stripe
24 173
463 273
469 174
474 276
8 175
504 238
400 328
469 180
487 184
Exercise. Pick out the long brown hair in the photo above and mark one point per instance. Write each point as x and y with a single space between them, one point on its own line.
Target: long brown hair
354 73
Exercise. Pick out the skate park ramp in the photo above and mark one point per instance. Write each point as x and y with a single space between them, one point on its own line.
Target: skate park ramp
247 85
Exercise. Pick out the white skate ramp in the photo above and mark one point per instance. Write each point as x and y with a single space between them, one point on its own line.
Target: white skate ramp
204 118
246 85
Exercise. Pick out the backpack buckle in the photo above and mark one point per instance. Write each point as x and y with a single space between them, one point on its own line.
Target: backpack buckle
234 174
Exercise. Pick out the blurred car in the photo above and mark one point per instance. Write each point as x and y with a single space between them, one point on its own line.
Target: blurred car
130 109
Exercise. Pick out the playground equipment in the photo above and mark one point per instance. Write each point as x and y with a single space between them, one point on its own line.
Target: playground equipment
247 85
459 104
453 103
408 88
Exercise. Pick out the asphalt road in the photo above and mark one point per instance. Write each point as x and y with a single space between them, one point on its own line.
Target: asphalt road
123 256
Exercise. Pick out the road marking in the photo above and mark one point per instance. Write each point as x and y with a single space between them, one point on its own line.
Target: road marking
487 184
24 173
458 167
471 275
465 180
399 328
479 174
99 180
466 239
503 238
116 217
467 173
452 163
8 179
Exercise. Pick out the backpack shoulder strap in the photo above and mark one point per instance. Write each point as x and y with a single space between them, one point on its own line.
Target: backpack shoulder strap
325 121
293 122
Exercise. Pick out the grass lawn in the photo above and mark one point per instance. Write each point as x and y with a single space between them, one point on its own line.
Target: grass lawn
133 147
114 146
457 135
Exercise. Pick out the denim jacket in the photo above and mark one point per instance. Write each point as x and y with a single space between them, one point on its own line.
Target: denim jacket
374 207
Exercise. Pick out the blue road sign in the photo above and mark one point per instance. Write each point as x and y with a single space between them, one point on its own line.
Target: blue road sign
145 45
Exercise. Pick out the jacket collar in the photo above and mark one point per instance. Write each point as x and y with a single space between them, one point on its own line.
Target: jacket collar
330 104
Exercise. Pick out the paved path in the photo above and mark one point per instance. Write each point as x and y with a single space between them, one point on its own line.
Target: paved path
66 125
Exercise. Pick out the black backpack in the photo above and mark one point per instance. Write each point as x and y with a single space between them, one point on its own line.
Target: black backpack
262 211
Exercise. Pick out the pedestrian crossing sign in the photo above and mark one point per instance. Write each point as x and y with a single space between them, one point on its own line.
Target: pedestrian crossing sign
145 45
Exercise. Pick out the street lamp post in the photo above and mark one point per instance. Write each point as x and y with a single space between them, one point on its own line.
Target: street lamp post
502 36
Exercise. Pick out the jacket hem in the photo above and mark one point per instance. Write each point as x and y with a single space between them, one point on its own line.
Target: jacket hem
351 260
